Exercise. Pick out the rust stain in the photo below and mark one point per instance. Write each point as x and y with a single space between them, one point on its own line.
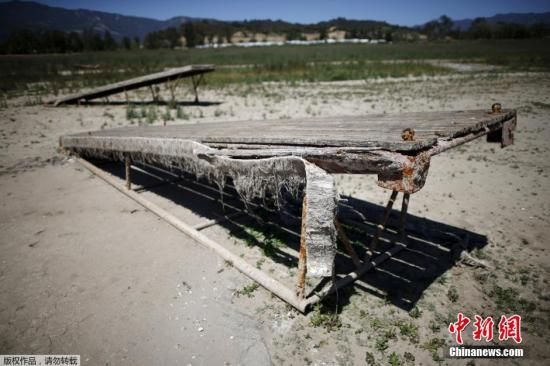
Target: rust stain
496 108
408 134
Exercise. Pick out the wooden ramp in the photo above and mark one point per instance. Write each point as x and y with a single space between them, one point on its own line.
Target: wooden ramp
146 80
263 159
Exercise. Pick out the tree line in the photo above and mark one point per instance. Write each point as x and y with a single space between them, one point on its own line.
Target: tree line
482 29
54 41
192 34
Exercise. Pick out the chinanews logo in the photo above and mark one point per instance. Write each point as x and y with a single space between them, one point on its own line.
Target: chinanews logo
508 328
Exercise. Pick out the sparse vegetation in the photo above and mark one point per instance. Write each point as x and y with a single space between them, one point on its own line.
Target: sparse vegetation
415 312
40 74
452 294
410 331
131 112
247 291
394 360
151 114
509 300
433 346
323 317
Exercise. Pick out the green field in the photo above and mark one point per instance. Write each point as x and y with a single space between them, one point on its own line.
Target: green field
37 74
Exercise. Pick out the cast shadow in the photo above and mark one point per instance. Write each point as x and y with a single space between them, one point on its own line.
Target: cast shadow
148 102
433 247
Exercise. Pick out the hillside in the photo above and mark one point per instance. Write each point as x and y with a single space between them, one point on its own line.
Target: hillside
527 19
16 15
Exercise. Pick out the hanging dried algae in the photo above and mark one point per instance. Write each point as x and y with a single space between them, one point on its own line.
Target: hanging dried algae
252 178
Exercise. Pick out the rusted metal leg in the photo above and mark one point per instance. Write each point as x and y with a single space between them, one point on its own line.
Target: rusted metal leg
302 265
347 244
380 227
127 169
153 95
196 83
402 220
173 94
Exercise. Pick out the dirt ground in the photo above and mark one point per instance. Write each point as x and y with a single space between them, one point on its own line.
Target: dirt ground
85 270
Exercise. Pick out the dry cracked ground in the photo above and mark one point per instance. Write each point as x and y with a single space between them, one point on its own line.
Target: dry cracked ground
84 270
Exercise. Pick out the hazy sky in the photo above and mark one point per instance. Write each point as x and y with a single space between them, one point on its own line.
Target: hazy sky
403 12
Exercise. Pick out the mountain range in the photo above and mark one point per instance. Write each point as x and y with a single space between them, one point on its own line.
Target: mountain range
16 15
515 18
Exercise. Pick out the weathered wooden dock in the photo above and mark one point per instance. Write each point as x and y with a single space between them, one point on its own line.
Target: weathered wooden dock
263 158
195 72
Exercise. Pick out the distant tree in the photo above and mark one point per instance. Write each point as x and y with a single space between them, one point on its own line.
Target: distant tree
388 36
172 36
323 34
480 29
438 29
109 42
126 43
75 43
445 25
190 34
152 41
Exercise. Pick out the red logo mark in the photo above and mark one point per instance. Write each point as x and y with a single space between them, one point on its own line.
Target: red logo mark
483 328
458 327
510 328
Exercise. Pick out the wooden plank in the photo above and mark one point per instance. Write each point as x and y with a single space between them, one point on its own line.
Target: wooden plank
381 131
123 86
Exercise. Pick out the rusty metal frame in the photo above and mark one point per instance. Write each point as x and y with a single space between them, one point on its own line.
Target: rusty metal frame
408 179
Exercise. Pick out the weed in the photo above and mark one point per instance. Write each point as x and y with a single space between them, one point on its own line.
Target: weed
151 114
452 294
381 344
433 346
478 253
409 358
508 300
247 290
131 112
322 317
442 279
434 326
410 331
394 360
259 263
369 359
167 116
415 312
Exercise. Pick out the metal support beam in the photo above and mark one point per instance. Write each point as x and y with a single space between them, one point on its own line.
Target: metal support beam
380 227
302 263
346 243
196 82
127 168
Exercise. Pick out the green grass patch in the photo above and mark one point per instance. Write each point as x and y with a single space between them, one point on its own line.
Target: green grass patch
247 291
324 317
63 73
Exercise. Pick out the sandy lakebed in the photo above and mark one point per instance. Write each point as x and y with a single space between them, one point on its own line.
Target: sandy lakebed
85 270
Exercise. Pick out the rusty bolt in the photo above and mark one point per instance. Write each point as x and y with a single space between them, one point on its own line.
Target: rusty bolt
496 108
408 134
